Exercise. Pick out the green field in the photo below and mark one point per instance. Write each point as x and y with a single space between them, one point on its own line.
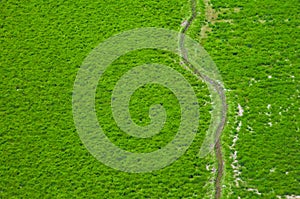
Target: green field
255 46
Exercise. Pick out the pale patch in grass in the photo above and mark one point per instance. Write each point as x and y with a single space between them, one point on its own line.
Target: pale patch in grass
235 164
254 190
184 23
272 170
262 21
241 110
236 10
211 17
292 197
238 128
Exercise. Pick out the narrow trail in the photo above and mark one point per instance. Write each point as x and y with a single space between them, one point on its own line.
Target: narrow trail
221 91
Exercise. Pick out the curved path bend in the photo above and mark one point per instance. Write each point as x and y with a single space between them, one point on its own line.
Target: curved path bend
221 91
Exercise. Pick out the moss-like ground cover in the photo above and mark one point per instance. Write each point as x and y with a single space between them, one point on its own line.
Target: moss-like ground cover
258 56
43 44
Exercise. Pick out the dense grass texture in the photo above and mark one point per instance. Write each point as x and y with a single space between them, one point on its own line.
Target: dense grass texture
255 46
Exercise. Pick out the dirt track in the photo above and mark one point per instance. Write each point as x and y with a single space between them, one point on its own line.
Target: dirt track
221 91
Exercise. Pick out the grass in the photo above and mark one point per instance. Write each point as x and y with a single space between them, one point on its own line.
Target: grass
43 45
258 56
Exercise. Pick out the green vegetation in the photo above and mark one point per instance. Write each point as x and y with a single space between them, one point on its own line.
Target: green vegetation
43 44
258 56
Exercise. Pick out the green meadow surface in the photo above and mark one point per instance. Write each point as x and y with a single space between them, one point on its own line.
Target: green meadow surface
43 44
258 56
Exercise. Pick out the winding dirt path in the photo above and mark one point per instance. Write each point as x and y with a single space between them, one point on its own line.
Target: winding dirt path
221 91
